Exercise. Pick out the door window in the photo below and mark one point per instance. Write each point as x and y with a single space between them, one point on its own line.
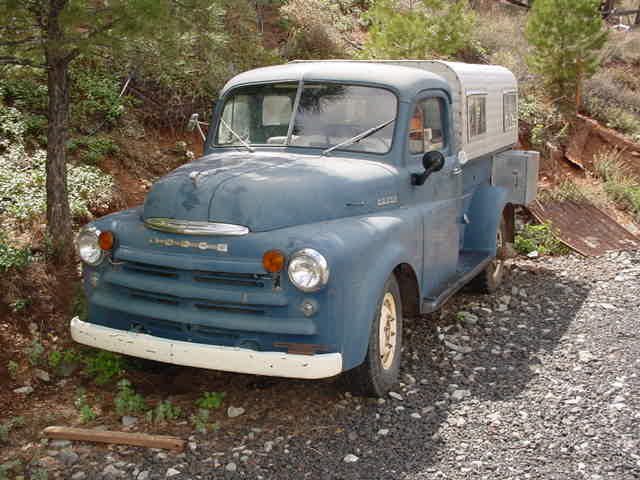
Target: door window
426 131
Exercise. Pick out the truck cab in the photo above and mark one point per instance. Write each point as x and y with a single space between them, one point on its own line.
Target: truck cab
332 200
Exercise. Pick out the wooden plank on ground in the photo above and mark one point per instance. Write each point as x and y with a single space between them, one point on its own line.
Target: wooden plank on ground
137 439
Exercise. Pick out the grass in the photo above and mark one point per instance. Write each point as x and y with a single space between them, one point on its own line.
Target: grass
622 188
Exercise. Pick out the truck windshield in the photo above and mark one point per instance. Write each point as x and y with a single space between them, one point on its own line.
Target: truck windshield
327 115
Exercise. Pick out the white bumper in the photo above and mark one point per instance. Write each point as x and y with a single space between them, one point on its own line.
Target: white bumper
214 357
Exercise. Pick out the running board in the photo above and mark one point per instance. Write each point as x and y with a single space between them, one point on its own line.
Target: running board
431 304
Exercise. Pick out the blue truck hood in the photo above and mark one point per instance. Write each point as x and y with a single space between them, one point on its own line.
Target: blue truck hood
270 190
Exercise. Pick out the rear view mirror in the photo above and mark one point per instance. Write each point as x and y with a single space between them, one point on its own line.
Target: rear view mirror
193 122
432 161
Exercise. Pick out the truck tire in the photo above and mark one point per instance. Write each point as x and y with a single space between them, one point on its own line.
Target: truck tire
491 277
379 371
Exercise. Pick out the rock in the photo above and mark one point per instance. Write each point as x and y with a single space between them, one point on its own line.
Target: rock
533 254
395 395
416 415
383 432
193 446
41 375
458 395
128 420
353 436
172 472
68 457
144 475
112 472
350 458
233 412
79 476
231 467
457 348
268 446
26 390
59 443
585 356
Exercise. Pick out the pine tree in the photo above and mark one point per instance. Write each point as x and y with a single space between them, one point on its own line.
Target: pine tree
426 28
567 36
51 34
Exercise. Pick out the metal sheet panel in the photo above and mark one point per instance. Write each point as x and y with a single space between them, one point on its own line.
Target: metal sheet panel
585 228
517 171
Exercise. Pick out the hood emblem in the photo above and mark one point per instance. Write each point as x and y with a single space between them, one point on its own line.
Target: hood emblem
194 177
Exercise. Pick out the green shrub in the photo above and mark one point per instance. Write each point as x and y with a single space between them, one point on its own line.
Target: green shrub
127 401
619 186
540 238
13 257
104 366
9 425
87 414
210 400
93 148
542 120
12 369
164 411
23 177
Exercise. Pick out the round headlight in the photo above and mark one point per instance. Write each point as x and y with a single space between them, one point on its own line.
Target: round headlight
308 270
88 246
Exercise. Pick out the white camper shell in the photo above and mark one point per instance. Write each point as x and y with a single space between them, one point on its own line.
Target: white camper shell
485 103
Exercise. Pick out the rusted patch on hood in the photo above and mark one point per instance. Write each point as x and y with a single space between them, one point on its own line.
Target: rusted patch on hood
585 228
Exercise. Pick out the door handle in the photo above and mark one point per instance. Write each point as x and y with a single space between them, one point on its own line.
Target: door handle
456 171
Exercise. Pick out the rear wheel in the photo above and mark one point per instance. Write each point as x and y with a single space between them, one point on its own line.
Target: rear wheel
379 371
491 277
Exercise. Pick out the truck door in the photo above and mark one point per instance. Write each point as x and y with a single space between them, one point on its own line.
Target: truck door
440 198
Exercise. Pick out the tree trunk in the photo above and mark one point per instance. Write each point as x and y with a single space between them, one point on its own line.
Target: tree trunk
58 212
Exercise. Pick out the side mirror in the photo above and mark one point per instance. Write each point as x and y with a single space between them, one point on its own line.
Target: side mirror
193 122
432 161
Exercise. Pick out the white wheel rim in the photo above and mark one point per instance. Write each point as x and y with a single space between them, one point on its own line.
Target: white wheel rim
498 263
387 336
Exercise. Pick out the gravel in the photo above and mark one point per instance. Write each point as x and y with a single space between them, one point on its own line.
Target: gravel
543 383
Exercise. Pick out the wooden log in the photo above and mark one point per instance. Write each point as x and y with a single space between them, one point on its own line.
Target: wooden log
137 439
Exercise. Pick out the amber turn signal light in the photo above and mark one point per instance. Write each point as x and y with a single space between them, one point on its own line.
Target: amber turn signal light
105 240
273 261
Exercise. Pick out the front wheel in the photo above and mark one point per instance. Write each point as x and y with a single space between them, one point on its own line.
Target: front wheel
379 371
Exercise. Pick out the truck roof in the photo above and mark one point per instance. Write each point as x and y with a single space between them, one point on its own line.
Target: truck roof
406 81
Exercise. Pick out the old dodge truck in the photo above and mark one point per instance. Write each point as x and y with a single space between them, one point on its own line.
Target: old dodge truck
333 199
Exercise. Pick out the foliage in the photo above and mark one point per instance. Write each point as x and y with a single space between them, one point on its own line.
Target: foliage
540 238
86 411
79 307
566 36
22 176
20 305
619 186
9 425
164 411
542 120
95 148
35 352
13 257
320 29
127 401
12 369
58 358
104 366
210 400
200 421
425 29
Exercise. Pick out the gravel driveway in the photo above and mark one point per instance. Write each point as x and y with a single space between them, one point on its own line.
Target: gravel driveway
540 380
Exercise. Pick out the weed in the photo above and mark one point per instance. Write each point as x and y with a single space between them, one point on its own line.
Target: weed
6 427
540 238
20 305
11 466
13 257
12 368
165 411
210 400
200 421
618 185
34 352
39 474
566 190
127 401
104 366
86 411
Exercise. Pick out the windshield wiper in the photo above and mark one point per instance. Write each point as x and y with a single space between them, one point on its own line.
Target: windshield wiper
358 137
244 144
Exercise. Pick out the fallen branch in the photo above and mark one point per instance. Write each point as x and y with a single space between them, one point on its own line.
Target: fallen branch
137 439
